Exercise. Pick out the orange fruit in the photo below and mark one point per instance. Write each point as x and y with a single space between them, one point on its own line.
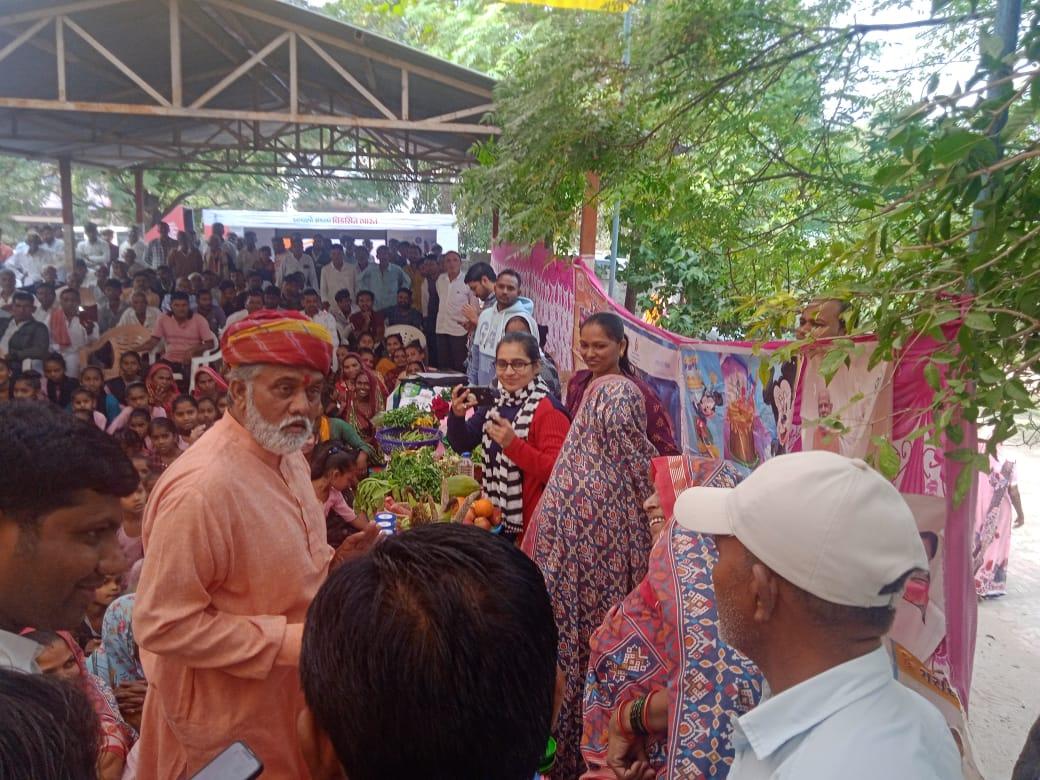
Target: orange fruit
482 522
483 508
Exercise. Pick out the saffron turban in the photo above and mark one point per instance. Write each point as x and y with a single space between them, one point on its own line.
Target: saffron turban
285 338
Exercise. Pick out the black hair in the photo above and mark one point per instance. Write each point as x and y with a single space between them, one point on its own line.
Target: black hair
405 290
135 385
331 456
43 285
525 340
514 274
82 391
272 290
342 295
310 291
296 278
130 353
451 622
55 357
478 271
85 369
113 282
366 351
254 275
369 293
129 440
164 423
140 413
227 284
206 399
415 344
34 378
614 327
23 296
71 291
398 336
48 728
182 399
254 294
42 439
178 295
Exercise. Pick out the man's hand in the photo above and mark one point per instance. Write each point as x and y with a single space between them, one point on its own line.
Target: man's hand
130 696
1020 521
356 544
471 313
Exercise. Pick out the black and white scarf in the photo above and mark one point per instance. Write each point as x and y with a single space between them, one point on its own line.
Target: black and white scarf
503 481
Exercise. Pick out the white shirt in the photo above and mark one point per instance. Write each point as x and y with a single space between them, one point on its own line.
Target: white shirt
288 264
333 280
43 315
79 338
140 249
28 268
10 329
852 722
19 653
453 296
326 320
238 316
95 254
151 316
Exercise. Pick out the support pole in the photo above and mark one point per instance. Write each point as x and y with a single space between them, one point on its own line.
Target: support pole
589 217
68 233
494 226
139 203
615 223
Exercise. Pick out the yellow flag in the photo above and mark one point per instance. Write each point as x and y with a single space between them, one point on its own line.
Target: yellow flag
611 6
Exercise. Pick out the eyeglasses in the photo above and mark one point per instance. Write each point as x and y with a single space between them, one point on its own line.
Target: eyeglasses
516 365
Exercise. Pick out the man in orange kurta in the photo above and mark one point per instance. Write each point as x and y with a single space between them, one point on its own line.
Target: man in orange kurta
235 549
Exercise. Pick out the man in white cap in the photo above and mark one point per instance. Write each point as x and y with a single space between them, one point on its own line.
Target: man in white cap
814 549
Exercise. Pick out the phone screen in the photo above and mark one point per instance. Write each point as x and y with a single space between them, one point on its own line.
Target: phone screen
236 762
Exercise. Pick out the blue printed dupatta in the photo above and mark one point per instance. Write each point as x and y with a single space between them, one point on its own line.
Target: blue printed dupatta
664 635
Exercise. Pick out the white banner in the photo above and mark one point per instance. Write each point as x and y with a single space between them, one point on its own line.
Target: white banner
328 220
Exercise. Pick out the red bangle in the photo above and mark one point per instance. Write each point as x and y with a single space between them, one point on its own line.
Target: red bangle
625 731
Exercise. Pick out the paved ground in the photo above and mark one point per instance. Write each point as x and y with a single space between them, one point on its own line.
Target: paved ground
1005 693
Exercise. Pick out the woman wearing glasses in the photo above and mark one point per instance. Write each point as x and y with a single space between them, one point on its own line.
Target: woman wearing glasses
522 432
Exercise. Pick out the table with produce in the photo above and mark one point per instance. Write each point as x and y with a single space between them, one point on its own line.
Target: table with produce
424 480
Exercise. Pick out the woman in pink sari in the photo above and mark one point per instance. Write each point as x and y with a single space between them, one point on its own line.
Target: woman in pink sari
590 535
998 495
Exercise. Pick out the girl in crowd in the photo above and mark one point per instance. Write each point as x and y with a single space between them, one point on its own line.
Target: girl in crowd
129 534
6 385
131 443
88 635
165 449
83 406
359 405
222 405
63 659
604 349
416 354
208 412
56 385
335 468
522 432
93 380
209 384
341 354
367 341
137 398
138 423
118 663
129 373
368 358
549 373
143 467
186 420
27 387
386 365
590 535
162 388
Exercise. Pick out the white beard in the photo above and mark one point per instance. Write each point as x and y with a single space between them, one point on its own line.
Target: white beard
274 437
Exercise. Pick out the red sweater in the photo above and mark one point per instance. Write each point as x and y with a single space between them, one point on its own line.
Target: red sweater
535 455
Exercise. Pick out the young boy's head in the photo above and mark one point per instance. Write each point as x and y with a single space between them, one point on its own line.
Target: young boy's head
130 366
83 401
137 396
365 301
366 341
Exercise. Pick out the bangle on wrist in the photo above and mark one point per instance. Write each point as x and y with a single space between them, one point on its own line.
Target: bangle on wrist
635 716
620 722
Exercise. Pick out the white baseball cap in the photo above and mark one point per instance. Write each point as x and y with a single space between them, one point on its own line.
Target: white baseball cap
828 524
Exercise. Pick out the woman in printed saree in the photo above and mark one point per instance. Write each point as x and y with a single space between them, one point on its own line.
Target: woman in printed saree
998 495
662 643
590 535
604 349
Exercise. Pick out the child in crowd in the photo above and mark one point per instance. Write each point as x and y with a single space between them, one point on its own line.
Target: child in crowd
208 412
186 420
129 535
416 354
88 635
129 372
62 659
387 365
143 467
130 442
57 386
136 398
341 354
335 468
83 407
27 387
222 405
91 378
366 341
165 449
368 358
6 383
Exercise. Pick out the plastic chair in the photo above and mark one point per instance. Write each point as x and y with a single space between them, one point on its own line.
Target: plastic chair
206 359
125 338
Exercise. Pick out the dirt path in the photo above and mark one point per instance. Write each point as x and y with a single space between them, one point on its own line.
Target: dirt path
1005 693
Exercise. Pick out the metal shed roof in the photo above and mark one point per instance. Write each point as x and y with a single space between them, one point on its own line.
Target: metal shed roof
255 86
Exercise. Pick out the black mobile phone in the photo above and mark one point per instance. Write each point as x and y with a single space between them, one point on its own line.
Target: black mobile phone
486 396
235 762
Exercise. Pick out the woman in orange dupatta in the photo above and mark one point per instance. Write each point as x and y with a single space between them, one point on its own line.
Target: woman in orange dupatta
162 388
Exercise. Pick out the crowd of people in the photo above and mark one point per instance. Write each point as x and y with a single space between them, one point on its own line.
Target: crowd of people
195 575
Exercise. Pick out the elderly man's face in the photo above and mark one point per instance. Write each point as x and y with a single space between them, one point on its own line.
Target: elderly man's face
821 320
278 405
732 577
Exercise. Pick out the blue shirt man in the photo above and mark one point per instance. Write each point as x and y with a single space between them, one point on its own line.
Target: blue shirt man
384 280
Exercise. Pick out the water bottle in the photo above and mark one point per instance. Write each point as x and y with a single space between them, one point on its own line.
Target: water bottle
466 465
